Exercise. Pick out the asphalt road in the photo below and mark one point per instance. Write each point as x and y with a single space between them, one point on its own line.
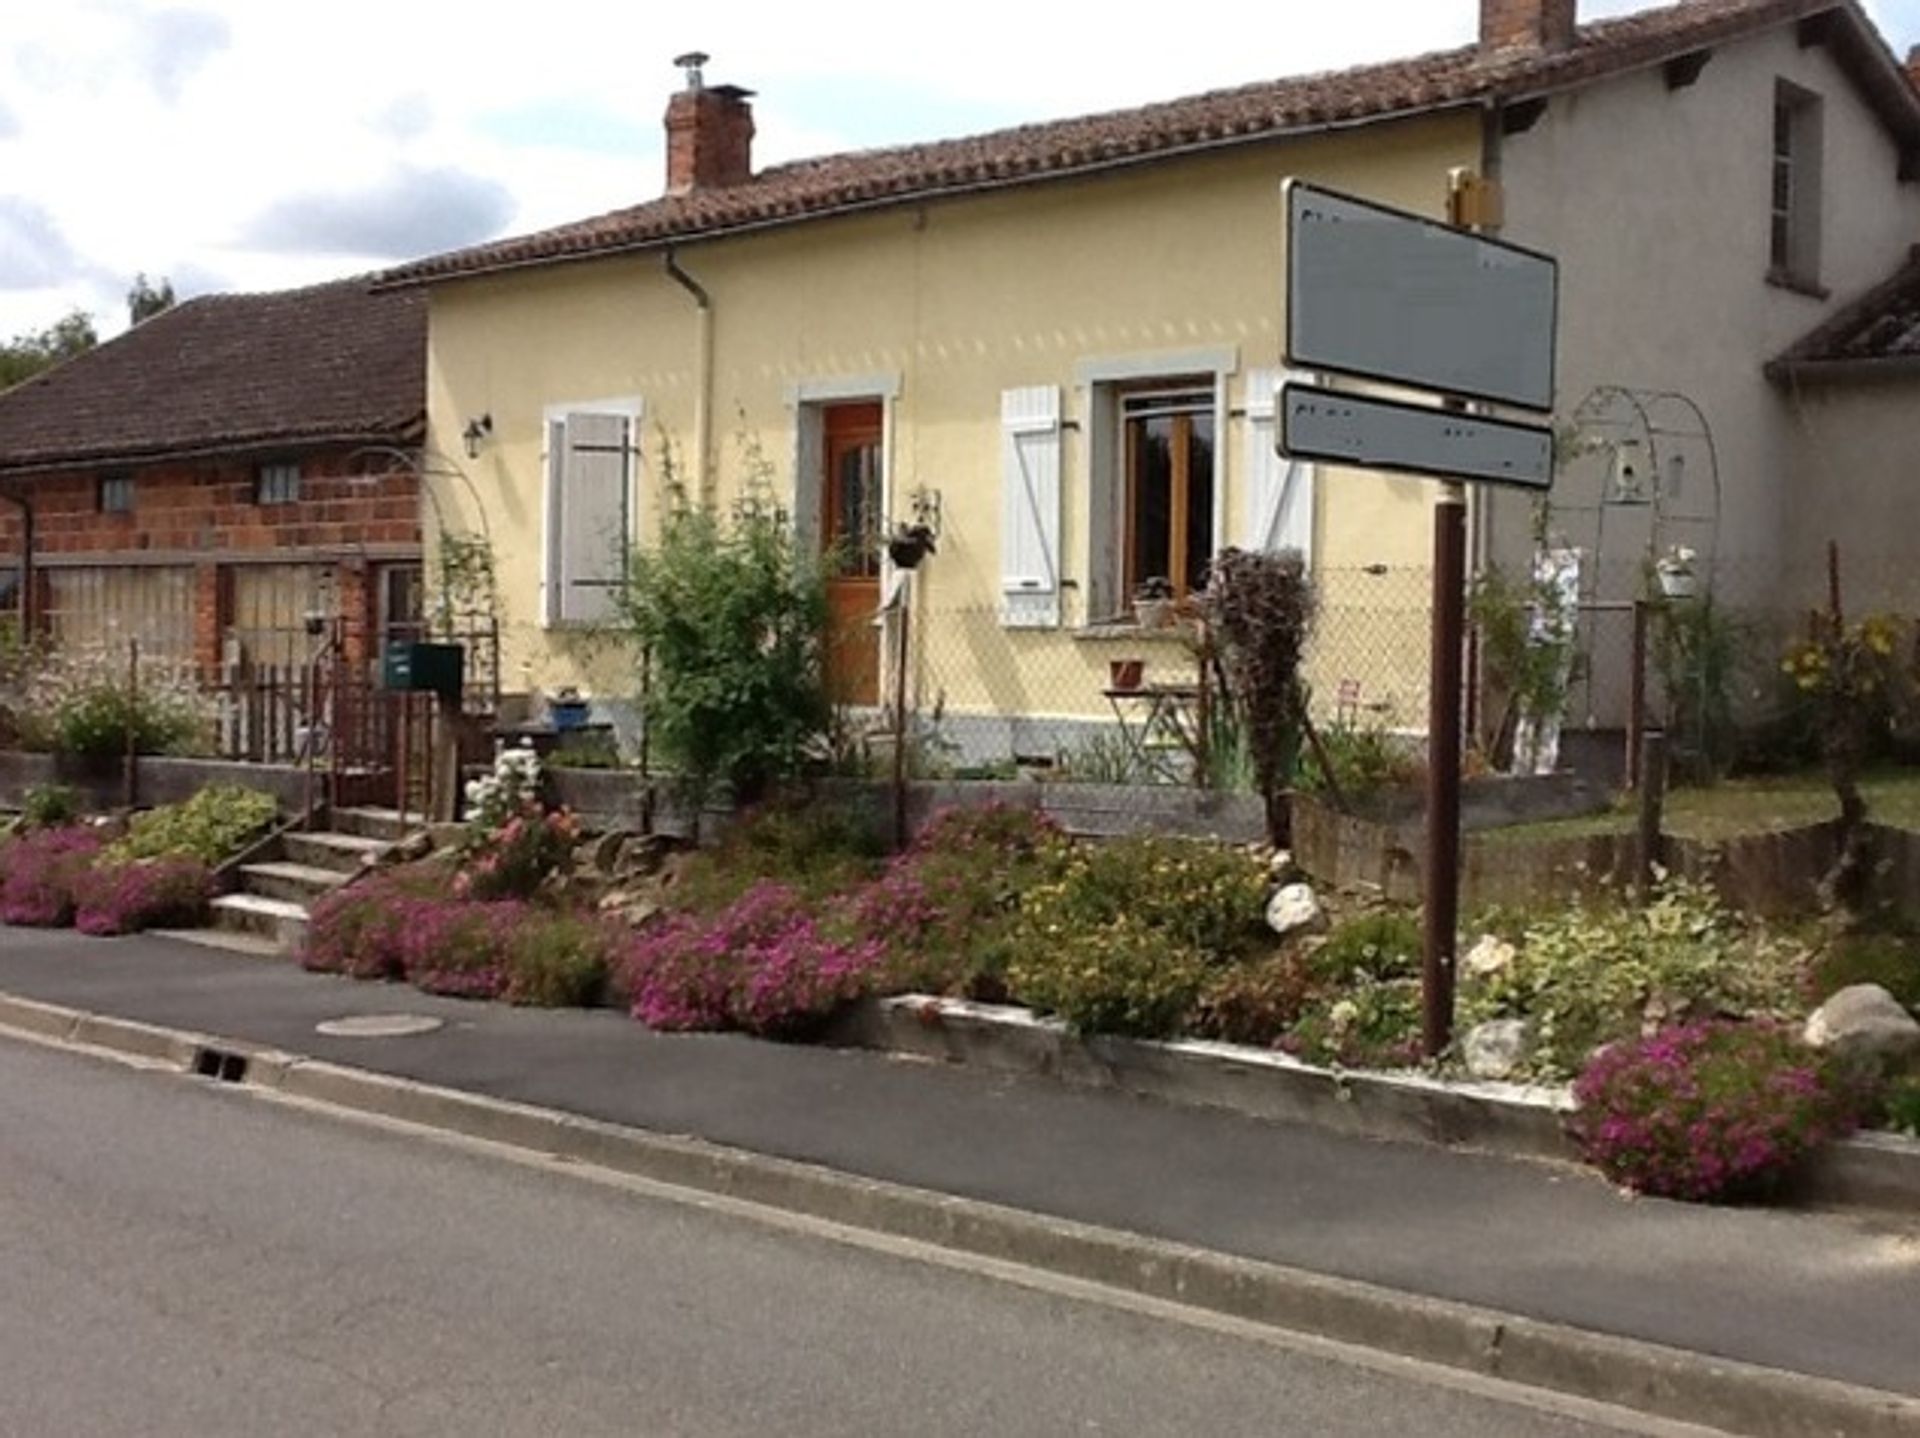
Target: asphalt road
181 1258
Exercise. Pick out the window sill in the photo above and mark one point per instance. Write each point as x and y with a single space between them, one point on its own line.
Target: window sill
1130 633
1812 289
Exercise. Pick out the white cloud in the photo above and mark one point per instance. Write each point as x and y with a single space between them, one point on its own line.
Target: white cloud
250 140
407 212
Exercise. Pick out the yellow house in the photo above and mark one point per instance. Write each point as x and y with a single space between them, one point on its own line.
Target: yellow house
1057 345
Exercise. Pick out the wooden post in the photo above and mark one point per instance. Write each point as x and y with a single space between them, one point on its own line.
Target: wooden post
1653 794
1441 910
900 715
1637 694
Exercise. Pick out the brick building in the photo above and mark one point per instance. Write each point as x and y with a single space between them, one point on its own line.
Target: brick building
217 476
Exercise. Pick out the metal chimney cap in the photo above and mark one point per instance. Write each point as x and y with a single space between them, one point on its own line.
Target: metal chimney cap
691 63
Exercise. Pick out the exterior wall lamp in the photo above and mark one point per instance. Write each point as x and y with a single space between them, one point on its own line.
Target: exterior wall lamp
478 430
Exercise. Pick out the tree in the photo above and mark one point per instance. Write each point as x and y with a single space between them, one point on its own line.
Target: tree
146 300
27 354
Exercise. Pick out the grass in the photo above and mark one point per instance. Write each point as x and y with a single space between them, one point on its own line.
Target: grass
1742 806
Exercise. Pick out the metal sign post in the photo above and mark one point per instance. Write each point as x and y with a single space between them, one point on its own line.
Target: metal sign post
1379 295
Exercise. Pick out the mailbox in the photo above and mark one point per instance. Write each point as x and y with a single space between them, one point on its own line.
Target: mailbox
429 668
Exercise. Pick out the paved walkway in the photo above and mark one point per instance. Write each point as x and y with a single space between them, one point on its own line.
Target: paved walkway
1807 1293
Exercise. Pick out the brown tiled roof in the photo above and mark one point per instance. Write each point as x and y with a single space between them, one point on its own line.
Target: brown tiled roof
1427 84
1876 331
334 363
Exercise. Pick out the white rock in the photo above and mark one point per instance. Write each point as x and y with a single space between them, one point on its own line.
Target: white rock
1489 956
1867 1022
1294 909
1493 1050
1281 866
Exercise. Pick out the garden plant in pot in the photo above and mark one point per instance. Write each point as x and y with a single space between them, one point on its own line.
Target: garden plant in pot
1153 603
1673 571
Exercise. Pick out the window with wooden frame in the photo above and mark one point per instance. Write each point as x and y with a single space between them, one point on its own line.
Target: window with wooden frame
1167 522
1794 217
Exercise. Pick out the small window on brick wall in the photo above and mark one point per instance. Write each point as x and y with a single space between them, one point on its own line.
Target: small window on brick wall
276 484
116 494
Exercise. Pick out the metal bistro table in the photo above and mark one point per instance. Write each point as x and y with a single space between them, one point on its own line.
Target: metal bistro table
1160 724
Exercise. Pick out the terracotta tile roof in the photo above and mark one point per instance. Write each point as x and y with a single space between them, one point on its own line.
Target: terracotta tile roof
1426 84
1880 328
333 363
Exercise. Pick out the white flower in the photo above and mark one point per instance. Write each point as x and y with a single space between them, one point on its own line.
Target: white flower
1491 955
1343 1016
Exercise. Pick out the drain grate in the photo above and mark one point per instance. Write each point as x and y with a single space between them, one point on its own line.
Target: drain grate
221 1064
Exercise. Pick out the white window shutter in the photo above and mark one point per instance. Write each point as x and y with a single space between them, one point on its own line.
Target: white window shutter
1279 490
554 463
1030 507
589 514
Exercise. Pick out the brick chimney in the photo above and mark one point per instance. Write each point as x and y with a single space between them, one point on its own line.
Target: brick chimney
1528 24
709 133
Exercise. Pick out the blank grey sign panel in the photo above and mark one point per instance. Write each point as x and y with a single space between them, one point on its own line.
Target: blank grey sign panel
1369 433
1378 294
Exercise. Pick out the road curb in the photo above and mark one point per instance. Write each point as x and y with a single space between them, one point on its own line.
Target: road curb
1648 1378
1874 1173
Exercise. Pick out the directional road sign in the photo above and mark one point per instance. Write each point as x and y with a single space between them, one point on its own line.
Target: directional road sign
1375 293
1372 433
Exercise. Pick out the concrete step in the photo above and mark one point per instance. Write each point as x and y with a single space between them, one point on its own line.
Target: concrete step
342 853
296 883
376 823
276 919
227 941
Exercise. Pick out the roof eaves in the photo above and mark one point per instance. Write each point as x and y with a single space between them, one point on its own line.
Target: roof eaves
428 272
243 446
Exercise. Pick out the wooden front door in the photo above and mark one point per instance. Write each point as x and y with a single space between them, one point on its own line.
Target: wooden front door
850 535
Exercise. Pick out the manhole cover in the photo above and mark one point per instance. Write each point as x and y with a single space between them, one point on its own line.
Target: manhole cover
380 1026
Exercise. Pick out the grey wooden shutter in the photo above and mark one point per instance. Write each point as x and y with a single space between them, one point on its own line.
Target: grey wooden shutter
588 559
1279 490
1030 507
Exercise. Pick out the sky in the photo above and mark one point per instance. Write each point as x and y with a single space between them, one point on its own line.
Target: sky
260 144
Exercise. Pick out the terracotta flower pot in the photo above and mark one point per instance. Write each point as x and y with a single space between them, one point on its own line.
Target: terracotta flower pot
1125 673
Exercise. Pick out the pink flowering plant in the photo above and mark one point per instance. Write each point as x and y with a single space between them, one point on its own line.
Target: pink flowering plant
459 949
39 872
513 845
765 965
1710 1111
943 913
357 930
144 894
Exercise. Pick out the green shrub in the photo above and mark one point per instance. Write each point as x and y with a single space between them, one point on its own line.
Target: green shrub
49 806
1589 975
817 846
1890 960
1256 1002
212 826
732 614
1366 1023
1197 894
1364 761
1378 946
1119 978
559 961
946 913
84 704
1900 1106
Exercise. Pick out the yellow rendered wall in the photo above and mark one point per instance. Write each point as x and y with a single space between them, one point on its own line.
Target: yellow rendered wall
954 302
